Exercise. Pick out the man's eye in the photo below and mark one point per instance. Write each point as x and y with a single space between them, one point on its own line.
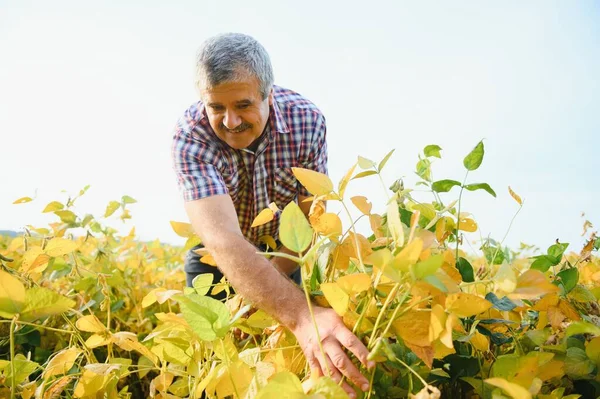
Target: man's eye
217 109
243 106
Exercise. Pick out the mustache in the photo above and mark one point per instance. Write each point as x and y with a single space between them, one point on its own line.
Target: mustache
241 127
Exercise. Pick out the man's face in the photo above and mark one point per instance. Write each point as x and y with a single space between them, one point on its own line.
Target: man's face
236 111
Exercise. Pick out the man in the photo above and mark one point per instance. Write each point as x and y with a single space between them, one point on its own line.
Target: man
232 153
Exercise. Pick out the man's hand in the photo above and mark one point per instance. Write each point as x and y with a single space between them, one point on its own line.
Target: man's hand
334 338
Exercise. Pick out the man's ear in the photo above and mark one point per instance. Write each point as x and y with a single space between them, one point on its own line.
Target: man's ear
271 97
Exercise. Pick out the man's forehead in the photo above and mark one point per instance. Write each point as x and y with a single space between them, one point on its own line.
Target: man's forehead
231 92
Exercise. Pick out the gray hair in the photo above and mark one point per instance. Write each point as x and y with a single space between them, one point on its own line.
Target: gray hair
231 57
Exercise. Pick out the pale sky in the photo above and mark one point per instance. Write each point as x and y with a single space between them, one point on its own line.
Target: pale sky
90 92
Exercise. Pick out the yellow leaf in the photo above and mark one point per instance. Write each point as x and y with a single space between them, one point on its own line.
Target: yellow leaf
547 301
363 204
408 256
23 200
269 240
96 340
514 390
329 225
413 328
33 259
90 323
437 322
128 341
164 295
62 362
354 283
427 210
60 246
15 244
264 217
89 384
446 336
505 278
12 295
468 225
515 196
532 284
466 305
480 342
337 298
344 182
182 229
592 350
150 297
53 206
375 221
209 260
394 223
316 183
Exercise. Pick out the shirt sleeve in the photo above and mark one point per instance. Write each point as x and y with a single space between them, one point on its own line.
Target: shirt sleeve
317 155
194 165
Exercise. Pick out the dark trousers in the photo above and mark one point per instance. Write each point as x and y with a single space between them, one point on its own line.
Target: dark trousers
193 267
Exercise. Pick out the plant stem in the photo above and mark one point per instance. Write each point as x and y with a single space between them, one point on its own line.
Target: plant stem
13 383
507 231
312 316
462 188
388 300
38 325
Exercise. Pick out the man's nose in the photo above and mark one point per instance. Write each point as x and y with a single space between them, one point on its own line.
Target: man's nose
231 120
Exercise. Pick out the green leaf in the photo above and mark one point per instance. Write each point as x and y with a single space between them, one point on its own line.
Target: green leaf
443 186
365 163
384 160
465 269
203 282
492 252
481 186
544 262
428 267
53 206
12 295
207 317
325 387
557 250
283 385
581 294
569 278
475 157
294 230
66 216
424 169
582 327
577 364
501 304
42 302
364 174
432 150
111 208
126 199
23 368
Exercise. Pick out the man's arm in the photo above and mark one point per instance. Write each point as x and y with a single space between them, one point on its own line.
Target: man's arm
214 219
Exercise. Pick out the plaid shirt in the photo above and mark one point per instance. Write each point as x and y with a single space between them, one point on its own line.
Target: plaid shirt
205 165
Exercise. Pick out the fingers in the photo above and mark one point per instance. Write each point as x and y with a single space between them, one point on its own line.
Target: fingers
352 343
327 364
341 362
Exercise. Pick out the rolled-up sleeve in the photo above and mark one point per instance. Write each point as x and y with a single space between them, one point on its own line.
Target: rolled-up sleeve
194 163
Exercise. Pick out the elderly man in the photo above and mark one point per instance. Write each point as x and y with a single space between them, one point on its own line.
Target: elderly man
233 152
